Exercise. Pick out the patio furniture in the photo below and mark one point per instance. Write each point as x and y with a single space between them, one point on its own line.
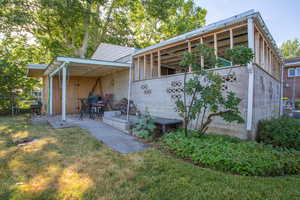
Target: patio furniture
96 106
92 106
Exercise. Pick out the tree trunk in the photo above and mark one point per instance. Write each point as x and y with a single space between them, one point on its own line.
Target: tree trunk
204 127
185 120
104 28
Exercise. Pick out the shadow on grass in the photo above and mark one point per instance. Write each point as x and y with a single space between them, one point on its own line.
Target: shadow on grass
61 164
72 164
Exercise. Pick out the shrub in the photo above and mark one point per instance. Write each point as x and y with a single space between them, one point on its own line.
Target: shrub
239 55
297 104
145 127
282 132
233 155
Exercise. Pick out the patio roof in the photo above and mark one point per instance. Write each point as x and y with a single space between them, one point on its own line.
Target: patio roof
85 67
36 70
214 26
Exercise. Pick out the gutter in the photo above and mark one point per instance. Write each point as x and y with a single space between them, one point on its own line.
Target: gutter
292 64
281 92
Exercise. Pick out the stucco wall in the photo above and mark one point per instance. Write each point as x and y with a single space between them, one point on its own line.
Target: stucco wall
116 84
153 96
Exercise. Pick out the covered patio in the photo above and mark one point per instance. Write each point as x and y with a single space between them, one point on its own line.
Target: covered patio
70 79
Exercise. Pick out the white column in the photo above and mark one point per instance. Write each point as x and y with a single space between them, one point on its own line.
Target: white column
64 93
251 76
129 91
231 38
50 95
281 90
159 64
202 58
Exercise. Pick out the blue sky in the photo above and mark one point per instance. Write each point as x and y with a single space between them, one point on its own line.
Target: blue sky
281 16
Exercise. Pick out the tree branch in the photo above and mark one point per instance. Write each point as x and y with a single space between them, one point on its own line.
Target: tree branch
209 120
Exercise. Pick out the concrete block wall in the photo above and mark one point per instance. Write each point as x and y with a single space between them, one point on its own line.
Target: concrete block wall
266 96
152 95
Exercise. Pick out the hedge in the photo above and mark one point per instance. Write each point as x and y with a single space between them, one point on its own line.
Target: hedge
282 132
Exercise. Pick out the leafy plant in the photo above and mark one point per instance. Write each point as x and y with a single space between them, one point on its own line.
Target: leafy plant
232 155
281 132
145 126
297 104
203 95
239 55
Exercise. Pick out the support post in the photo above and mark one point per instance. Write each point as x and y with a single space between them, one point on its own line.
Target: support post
159 63
281 90
190 51
202 59
145 68
263 59
138 68
64 93
231 38
250 27
129 91
216 44
50 95
151 63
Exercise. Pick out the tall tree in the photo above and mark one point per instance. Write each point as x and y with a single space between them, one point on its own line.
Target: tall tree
290 48
77 27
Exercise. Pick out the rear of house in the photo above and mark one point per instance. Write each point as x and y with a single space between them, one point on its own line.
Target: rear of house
152 77
157 76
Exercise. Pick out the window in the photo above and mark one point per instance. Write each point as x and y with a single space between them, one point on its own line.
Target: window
294 72
291 72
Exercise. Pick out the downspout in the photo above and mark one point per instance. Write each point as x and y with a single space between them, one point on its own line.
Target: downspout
281 92
129 89
251 76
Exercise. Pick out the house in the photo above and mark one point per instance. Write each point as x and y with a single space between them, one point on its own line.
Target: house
152 77
291 79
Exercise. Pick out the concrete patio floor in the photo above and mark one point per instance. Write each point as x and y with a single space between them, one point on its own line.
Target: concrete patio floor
110 136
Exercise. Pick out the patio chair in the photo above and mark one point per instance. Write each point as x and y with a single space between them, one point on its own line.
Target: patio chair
84 108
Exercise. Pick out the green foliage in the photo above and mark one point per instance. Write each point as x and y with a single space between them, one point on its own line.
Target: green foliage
14 85
204 97
77 27
232 155
239 55
145 127
282 132
290 48
297 104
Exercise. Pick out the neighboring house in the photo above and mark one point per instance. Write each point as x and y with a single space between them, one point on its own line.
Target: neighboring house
291 79
152 76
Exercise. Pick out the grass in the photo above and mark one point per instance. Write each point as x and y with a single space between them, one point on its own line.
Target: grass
71 164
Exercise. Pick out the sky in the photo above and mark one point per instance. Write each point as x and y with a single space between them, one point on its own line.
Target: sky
281 16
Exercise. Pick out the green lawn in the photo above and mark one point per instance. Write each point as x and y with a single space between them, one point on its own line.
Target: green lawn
71 164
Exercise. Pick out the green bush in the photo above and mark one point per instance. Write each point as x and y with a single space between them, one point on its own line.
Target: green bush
282 132
297 104
239 55
145 127
233 155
